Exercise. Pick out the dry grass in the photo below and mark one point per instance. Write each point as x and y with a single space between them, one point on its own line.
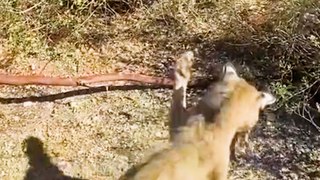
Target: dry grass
100 136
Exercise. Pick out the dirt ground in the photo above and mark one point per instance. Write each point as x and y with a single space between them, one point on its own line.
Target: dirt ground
100 136
97 134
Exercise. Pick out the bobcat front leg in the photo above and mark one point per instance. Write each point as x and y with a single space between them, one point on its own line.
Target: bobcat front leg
178 112
243 139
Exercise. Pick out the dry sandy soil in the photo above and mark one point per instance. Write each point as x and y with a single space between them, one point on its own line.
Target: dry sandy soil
100 136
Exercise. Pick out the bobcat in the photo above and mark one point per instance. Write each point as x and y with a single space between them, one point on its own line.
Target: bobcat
210 103
201 146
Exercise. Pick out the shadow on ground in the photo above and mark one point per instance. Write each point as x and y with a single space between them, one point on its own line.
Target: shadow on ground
72 93
200 84
41 167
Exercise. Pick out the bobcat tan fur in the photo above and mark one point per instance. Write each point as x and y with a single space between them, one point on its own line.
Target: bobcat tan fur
201 146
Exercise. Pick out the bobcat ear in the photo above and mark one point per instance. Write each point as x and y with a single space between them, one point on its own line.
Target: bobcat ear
229 72
267 99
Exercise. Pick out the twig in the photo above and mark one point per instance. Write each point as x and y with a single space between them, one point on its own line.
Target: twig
29 9
303 90
310 118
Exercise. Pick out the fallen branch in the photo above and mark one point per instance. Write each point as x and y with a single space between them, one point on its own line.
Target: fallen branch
96 84
306 112
83 81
